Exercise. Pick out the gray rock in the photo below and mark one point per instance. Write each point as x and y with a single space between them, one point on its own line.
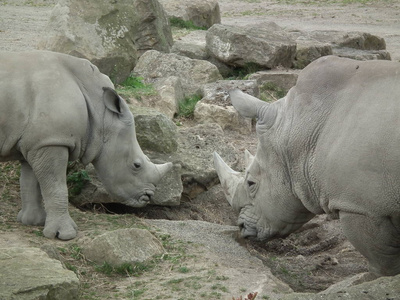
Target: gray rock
262 46
353 39
192 45
193 73
215 107
357 45
203 13
232 261
195 152
169 190
130 245
309 50
284 79
362 54
29 274
110 34
381 288
154 131
171 93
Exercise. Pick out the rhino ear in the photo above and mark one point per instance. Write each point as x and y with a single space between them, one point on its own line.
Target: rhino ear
112 101
252 107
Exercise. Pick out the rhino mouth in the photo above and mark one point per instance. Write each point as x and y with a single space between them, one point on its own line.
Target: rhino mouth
247 231
141 199
252 232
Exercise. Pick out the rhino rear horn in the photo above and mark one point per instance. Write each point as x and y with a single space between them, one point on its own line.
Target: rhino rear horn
252 107
229 178
248 158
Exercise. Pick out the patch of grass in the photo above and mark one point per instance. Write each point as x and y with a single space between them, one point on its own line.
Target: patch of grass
76 252
180 23
186 107
242 73
270 92
126 269
183 270
135 87
76 181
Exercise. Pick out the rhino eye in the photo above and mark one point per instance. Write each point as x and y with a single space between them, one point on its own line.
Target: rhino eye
252 186
137 165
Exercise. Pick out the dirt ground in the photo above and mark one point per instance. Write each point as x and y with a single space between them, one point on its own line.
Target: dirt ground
311 259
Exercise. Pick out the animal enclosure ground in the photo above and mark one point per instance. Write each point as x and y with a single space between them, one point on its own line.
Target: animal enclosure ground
309 260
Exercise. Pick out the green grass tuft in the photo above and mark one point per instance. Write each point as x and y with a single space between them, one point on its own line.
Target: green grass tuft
135 87
186 107
178 22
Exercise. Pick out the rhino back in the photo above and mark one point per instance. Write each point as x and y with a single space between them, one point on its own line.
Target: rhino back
44 102
346 138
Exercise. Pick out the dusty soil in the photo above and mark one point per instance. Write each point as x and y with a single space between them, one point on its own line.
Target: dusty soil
311 259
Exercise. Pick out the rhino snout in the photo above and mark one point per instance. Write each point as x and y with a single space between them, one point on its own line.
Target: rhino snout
146 197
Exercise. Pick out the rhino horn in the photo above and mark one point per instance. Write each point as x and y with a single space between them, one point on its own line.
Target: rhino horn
247 105
163 169
229 178
248 158
252 107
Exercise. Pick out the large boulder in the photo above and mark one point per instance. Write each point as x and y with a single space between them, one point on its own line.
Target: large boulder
193 73
111 34
123 246
192 45
344 39
263 46
309 50
171 93
216 107
196 147
154 131
203 13
381 288
29 273
356 45
284 79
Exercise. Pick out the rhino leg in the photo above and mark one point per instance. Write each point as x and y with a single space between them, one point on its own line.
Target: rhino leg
32 212
49 165
378 239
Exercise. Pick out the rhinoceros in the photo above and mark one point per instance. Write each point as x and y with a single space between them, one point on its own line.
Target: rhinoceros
330 146
56 108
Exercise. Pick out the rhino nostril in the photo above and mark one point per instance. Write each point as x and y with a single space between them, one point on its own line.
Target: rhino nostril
149 193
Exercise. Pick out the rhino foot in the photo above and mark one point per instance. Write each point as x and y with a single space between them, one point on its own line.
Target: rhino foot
35 217
63 228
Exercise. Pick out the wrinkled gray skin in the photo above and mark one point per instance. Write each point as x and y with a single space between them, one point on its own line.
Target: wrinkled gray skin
56 108
332 145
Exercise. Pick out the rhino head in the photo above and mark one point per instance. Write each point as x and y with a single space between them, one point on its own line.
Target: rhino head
263 197
126 172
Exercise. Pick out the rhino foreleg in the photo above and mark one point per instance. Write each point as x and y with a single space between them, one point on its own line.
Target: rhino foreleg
32 212
378 239
49 165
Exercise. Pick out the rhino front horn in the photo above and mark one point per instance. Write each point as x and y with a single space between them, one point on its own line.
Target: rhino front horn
229 178
163 169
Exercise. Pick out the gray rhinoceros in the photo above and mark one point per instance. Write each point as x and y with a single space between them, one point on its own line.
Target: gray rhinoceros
56 108
332 145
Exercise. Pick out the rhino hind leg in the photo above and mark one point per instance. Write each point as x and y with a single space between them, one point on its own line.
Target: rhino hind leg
49 165
378 239
32 212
